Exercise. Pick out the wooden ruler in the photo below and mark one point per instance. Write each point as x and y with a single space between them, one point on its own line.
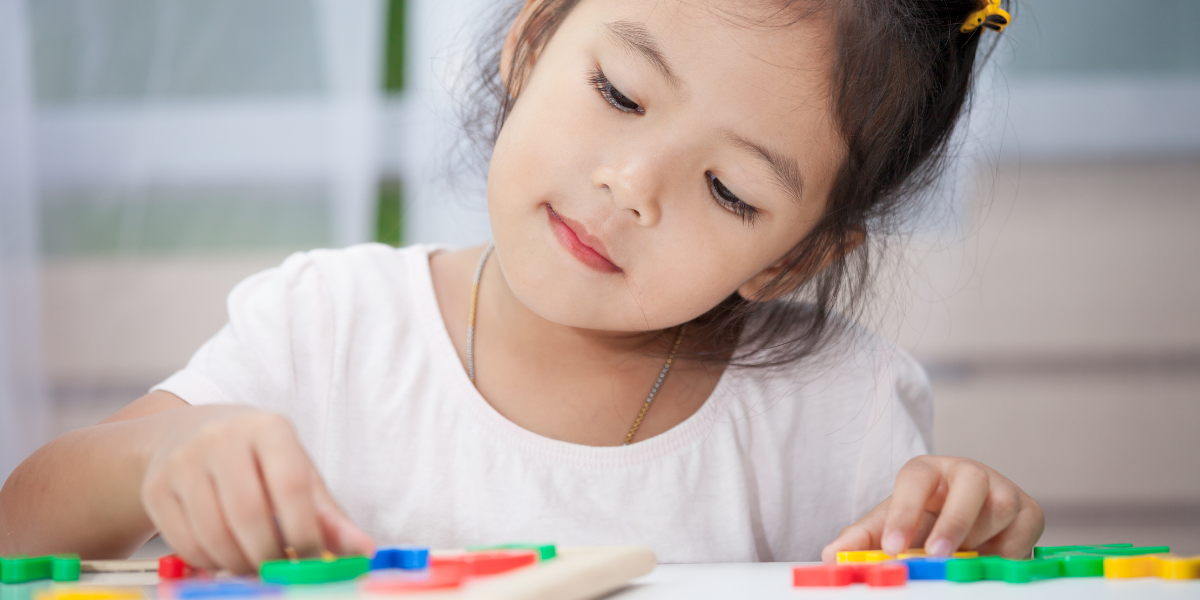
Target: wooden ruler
118 566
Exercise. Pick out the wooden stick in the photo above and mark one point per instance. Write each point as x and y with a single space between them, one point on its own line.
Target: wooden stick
577 574
118 566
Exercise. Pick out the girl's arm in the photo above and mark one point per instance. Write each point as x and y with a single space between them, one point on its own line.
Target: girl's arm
226 486
82 491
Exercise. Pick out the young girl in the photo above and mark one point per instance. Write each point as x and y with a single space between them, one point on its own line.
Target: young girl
657 351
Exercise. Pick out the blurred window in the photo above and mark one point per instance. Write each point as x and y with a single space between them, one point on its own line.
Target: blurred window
127 50
1092 37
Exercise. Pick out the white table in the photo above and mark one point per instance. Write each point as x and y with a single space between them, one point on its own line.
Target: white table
768 581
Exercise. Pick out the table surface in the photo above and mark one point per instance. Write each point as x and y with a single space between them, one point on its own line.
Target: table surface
768 581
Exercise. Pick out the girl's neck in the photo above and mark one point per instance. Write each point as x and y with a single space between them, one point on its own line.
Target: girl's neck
576 385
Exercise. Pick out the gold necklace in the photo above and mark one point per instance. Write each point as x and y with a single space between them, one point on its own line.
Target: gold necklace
471 347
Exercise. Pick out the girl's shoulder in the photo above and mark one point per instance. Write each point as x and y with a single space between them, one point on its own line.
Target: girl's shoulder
361 263
355 274
360 289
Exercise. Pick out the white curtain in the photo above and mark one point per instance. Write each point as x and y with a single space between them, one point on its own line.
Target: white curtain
22 389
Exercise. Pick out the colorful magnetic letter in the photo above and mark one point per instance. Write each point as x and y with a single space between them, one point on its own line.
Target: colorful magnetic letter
401 557
498 561
90 593
1163 566
441 574
194 590
926 567
965 570
873 556
20 568
173 567
545 551
1104 550
314 570
872 574
64 567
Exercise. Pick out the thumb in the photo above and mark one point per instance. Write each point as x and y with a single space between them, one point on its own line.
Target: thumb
341 536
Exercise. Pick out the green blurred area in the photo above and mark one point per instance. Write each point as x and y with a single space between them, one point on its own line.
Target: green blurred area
186 220
389 216
393 69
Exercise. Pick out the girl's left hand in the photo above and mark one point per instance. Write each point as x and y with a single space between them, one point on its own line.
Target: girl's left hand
947 504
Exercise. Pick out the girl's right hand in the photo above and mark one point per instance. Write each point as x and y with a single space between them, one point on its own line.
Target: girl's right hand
229 487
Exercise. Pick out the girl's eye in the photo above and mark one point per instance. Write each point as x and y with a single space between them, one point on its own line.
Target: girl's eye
612 95
730 202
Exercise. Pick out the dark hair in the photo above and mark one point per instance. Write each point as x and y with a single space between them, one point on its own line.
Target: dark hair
902 74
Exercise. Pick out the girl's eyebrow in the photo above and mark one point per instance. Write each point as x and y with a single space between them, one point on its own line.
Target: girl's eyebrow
635 37
787 173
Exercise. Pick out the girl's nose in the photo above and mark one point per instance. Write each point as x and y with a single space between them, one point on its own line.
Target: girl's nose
635 183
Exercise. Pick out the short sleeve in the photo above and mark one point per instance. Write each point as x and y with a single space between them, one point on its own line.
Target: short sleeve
901 427
275 353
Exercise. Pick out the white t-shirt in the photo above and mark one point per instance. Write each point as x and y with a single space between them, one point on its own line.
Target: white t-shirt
351 346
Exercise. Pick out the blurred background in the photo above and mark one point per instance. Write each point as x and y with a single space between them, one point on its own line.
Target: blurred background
155 152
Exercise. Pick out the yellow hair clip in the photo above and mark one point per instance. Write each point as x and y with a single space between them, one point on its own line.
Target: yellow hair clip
990 16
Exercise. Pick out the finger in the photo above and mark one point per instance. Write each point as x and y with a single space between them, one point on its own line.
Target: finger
244 503
864 534
288 475
916 484
968 486
208 525
1018 539
923 529
998 513
169 517
341 535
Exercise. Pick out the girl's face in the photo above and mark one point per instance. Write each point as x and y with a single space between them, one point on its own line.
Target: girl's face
661 155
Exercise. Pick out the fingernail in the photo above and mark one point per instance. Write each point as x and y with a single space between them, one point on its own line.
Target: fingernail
893 543
939 547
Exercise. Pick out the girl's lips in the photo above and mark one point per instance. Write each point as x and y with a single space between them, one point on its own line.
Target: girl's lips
592 256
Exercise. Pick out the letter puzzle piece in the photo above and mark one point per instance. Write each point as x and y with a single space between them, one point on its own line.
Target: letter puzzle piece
1001 569
1103 549
91 593
1080 564
490 562
926 567
314 570
873 556
995 568
545 551
195 590
872 574
401 557
1162 566
172 567
64 567
23 568
440 575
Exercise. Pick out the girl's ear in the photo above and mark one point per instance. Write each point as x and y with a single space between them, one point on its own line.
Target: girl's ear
511 41
753 289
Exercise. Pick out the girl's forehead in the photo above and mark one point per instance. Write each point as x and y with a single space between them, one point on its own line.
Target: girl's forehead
777 35
747 65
